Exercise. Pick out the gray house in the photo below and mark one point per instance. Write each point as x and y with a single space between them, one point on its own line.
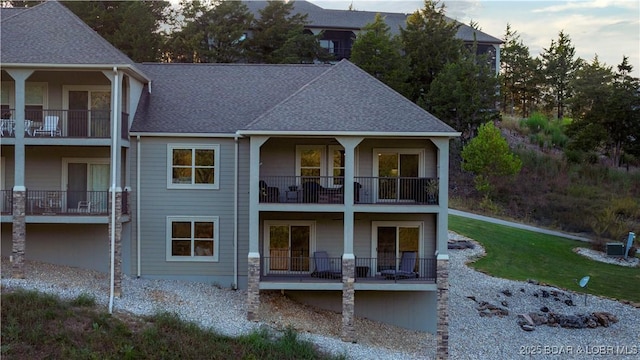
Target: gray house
317 180
339 28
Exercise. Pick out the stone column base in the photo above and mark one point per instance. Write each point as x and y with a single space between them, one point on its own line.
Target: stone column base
253 288
442 331
348 300
19 234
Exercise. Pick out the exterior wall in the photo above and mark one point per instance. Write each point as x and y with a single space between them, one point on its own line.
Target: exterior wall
363 236
44 164
365 154
79 245
407 309
5 239
158 202
8 153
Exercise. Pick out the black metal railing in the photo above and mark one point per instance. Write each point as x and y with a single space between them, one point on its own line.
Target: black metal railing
301 189
301 268
381 270
53 202
398 190
6 206
366 190
63 123
390 268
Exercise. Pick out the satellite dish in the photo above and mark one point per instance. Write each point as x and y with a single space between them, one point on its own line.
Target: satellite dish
583 282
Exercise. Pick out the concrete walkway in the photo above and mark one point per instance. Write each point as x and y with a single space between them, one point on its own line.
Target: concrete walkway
516 225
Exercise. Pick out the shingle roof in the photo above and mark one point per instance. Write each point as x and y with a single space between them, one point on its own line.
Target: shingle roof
225 98
348 99
215 98
355 20
49 33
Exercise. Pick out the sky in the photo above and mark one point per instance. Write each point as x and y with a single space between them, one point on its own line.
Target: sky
608 28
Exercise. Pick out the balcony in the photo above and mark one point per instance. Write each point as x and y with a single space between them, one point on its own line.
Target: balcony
92 124
367 190
53 202
383 270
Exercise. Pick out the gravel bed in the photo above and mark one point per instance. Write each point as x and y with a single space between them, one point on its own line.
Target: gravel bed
470 335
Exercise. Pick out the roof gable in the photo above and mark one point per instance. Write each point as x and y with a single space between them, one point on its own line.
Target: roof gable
348 99
53 35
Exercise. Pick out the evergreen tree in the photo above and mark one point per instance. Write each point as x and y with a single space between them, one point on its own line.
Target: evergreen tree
379 53
464 94
429 41
519 76
559 66
275 26
212 32
131 26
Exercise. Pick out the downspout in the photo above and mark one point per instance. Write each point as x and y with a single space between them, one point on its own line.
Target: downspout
138 232
235 216
114 144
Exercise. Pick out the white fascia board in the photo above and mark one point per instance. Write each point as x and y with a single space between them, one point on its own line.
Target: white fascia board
131 69
184 135
348 133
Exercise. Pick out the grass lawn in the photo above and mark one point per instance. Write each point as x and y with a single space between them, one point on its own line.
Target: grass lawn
41 326
520 255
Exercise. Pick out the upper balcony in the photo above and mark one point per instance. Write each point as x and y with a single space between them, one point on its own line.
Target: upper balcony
367 190
60 124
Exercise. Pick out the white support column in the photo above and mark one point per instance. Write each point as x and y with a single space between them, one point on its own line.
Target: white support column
443 193
20 77
253 275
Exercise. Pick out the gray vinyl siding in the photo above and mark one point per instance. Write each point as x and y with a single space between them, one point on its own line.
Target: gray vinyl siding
78 245
44 164
365 154
158 202
9 173
414 310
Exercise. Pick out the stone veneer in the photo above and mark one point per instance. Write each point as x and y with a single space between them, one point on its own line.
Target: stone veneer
442 331
348 300
18 234
117 266
253 288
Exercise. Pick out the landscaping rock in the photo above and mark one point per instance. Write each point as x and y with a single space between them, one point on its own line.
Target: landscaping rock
507 293
577 321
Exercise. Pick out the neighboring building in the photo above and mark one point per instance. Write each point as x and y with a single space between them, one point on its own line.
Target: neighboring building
317 180
339 28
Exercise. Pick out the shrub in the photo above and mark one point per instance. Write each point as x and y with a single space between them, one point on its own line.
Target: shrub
536 123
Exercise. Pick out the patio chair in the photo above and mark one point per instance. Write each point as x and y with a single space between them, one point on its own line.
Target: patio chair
323 268
405 271
50 126
268 193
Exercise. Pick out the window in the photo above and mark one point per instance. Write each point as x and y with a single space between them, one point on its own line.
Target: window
288 245
34 100
192 166
391 239
86 180
192 238
320 161
397 170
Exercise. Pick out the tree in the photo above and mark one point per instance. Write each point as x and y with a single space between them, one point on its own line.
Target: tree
429 41
519 76
607 108
488 157
377 52
559 66
464 94
131 26
211 33
271 31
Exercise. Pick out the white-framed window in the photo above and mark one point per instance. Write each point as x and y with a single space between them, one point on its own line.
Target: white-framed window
288 245
397 171
86 181
321 161
193 166
192 238
391 238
